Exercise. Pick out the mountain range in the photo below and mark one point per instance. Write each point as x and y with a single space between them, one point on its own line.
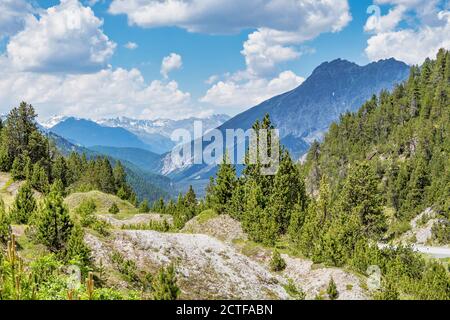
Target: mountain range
151 135
305 113
302 116
146 184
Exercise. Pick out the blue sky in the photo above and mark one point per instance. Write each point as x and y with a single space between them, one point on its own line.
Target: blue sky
205 55
246 57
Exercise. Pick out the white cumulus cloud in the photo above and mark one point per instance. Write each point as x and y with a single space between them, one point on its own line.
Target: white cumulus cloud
170 63
235 94
13 14
64 38
131 45
108 92
308 17
412 31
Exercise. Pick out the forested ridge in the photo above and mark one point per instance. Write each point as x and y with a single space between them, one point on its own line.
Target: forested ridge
377 169
404 137
145 184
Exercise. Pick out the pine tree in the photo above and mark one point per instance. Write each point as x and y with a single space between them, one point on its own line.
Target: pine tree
5 224
119 175
253 171
17 169
318 216
209 198
59 187
225 183
361 196
20 125
164 284
39 178
159 206
236 204
77 251
191 204
332 291
258 222
123 193
144 207
288 191
59 170
419 181
338 243
53 224
24 205
190 199
5 160
120 178
106 178
75 168
133 199
28 169
277 263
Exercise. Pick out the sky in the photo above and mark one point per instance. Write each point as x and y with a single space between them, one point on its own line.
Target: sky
175 59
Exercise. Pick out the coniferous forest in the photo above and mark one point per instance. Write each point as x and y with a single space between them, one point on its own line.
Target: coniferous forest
346 206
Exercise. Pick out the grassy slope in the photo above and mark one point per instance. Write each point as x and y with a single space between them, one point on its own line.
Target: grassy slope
102 200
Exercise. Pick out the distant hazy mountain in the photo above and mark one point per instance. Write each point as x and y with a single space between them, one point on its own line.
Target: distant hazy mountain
305 113
146 184
89 133
53 121
152 135
157 133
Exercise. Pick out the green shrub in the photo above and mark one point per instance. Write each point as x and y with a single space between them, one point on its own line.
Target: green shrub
127 268
440 232
293 291
5 226
332 291
144 207
277 263
164 284
161 226
101 227
77 252
114 209
86 212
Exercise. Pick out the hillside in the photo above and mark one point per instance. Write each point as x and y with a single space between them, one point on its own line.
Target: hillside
144 159
123 248
405 136
146 184
208 266
88 133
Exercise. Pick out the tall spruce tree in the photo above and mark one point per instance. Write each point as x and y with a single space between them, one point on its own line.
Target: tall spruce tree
5 224
53 223
288 192
60 170
224 186
24 205
317 220
76 250
362 197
